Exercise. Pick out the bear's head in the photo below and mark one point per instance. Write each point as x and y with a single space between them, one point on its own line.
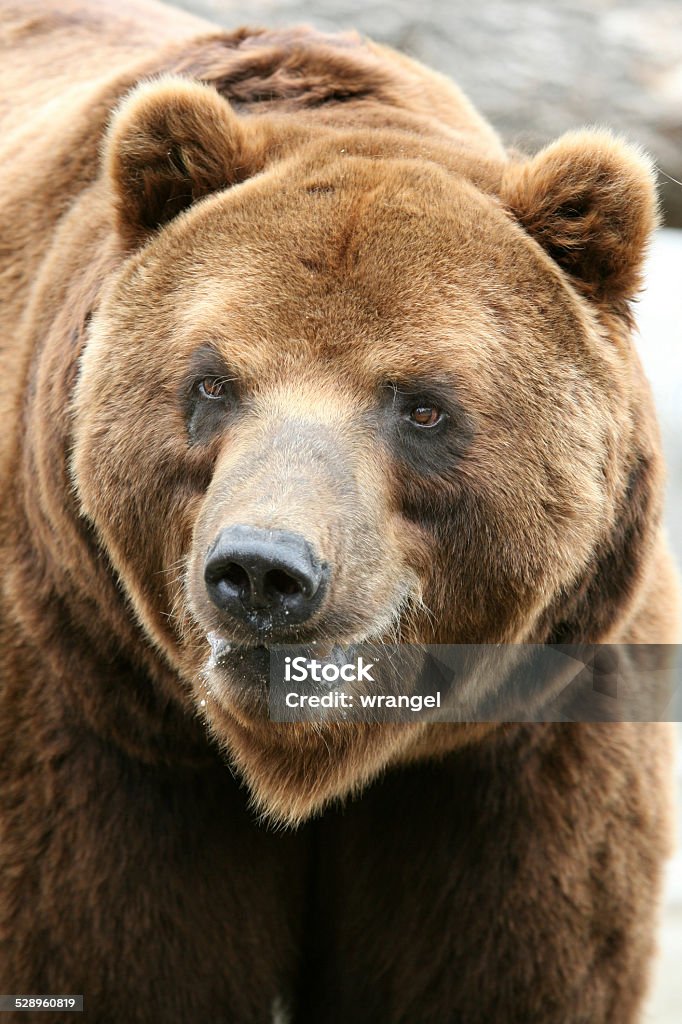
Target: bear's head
350 384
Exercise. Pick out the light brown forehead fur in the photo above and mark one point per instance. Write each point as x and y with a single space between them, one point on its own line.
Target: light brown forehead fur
329 261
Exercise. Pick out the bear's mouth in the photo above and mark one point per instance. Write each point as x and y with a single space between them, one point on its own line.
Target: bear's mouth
222 649
237 676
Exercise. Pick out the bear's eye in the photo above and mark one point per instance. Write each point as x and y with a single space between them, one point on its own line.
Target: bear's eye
424 415
213 387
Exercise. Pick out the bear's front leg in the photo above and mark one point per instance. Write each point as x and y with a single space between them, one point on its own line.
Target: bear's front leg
517 881
150 890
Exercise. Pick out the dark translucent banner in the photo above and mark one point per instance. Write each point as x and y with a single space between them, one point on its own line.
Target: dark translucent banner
477 683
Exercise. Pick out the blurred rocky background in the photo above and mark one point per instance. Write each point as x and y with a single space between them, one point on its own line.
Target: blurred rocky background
536 68
659 317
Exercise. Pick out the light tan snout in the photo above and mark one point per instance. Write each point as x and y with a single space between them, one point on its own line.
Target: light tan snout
293 541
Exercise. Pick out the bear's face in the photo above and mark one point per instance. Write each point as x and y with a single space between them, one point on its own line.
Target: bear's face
348 399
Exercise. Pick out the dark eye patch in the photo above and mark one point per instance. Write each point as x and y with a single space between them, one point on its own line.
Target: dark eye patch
208 394
430 445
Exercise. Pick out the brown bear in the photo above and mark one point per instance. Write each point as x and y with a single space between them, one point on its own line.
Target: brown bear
294 350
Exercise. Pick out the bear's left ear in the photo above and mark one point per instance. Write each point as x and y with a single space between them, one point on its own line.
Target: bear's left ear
590 201
170 142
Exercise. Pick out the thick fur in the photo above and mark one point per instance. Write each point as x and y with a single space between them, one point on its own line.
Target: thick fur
331 228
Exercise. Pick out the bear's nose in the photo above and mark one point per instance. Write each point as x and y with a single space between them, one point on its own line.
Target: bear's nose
264 577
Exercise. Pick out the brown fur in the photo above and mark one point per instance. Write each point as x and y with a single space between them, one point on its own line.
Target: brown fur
330 225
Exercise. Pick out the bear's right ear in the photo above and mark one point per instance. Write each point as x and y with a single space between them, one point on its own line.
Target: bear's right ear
170 142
